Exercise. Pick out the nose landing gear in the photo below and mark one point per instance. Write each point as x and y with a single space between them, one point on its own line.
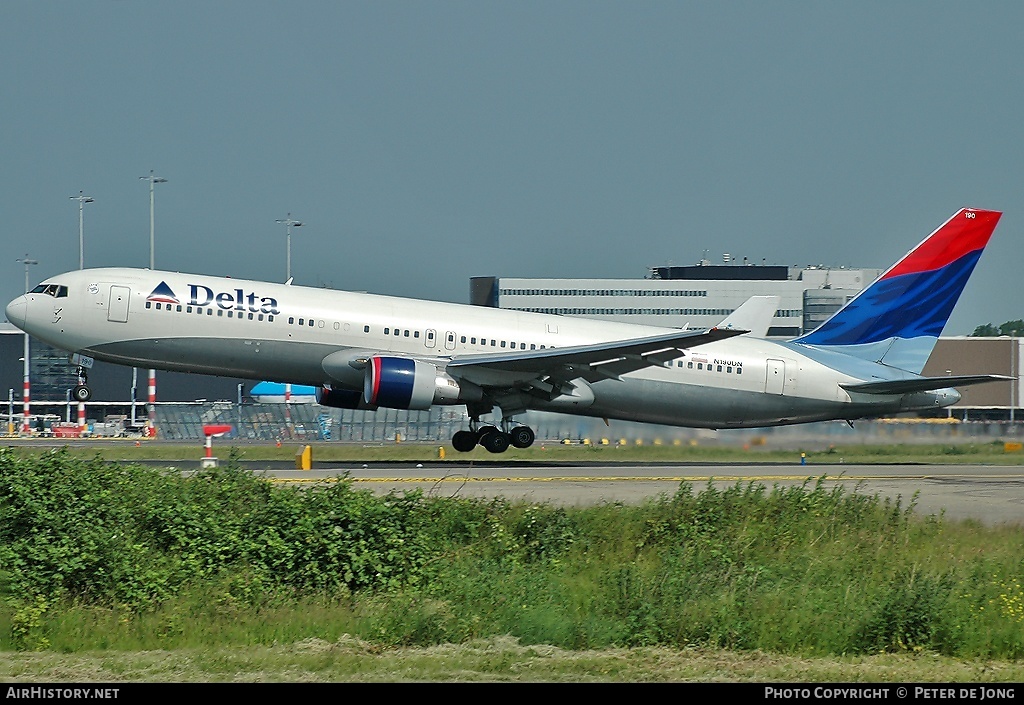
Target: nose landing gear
81 391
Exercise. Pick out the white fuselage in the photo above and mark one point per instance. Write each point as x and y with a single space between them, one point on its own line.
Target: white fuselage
276 332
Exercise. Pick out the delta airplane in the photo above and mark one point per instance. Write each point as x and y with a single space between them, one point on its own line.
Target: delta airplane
366 351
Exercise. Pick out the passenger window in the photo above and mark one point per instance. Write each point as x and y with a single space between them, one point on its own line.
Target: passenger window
719 368
302 321
690 364
311 322
728 370
739 370
387 331
700 365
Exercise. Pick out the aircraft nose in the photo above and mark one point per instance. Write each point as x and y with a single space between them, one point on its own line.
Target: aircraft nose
16 312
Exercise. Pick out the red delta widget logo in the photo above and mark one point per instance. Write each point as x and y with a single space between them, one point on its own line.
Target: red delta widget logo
200 295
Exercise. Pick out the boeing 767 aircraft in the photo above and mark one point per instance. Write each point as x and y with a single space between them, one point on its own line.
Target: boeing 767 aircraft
365 351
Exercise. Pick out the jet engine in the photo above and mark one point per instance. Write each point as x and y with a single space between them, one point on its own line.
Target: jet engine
403 383
341 399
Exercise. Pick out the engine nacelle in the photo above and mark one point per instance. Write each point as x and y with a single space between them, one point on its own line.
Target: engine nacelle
403 383
342 399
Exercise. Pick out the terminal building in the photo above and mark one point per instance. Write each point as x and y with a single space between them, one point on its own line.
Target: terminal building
697 296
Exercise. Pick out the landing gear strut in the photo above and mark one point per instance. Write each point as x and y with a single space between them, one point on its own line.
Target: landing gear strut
81 391
493 439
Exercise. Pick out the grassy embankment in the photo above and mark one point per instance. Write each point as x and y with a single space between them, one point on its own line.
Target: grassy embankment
101 565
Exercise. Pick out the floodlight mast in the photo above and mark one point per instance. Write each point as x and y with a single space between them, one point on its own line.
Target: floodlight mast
152 222
26 427
289 223
153 180
82 200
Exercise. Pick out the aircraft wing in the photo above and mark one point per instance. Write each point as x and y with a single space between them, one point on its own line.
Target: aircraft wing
921 384
595 362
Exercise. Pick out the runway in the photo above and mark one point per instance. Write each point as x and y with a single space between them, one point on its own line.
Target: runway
992 495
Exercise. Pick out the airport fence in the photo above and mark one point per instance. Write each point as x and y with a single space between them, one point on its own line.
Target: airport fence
315 423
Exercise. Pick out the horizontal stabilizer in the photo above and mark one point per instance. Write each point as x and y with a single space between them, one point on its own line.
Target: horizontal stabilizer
921 384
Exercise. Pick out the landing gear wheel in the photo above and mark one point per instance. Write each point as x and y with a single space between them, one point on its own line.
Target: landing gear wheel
521 436
464 441
81 393
483 431
495 442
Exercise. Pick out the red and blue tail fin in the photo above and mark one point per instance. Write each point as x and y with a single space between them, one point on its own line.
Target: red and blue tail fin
899 317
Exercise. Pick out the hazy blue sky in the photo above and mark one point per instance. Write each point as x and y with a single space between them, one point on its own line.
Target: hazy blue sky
422 143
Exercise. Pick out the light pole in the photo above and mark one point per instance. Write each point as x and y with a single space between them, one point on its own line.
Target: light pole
289 223
153 180
82 200
25 427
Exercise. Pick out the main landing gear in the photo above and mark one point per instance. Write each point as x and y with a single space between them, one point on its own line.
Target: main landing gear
81 392
492 438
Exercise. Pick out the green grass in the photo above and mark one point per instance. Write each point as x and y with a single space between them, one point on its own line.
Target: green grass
238 573
818 453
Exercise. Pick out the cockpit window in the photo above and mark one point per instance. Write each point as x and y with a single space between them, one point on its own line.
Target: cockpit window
55 290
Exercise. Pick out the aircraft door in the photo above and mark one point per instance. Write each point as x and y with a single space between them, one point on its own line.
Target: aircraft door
430 339
775 382
117 304
449 340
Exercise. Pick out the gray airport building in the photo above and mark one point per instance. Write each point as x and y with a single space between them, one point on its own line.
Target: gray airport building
698 296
